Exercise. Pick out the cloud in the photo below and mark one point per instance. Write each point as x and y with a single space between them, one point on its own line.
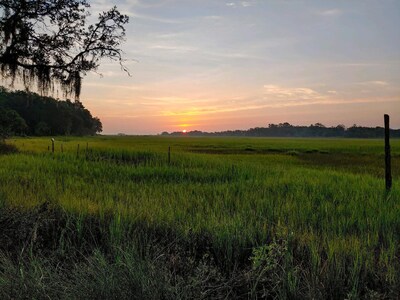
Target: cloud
174 99
112 86
379 83
196 111
240 3
213 18
232 55
277 92
329 12
169 35
272 96
374 83
246 3
152 18
361 64
175 48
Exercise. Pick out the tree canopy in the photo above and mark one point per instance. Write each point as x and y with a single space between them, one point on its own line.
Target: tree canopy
49 43
11 123
287 130
25 113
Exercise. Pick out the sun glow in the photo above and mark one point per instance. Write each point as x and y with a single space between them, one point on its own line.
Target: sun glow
184 127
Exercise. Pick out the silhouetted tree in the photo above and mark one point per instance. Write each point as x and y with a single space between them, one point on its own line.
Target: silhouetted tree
287 130
48 116
48 42
10 123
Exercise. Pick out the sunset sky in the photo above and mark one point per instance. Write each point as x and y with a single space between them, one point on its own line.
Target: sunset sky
215 65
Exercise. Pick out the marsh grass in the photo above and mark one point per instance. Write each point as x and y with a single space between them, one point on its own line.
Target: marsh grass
289 218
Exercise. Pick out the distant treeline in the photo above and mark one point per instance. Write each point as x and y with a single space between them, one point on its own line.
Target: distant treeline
25 113
288 130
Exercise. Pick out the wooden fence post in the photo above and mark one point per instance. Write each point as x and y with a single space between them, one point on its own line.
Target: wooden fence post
77 151
388 166
52 145
62 148
169 154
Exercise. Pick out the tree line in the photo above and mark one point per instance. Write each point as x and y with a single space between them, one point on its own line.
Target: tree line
26 113
288 130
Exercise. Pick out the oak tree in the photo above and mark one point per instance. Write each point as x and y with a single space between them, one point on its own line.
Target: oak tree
51 44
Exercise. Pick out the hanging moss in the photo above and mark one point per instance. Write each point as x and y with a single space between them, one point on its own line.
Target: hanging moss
40 50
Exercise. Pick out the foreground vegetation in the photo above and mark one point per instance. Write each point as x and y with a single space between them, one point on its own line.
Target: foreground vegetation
225 218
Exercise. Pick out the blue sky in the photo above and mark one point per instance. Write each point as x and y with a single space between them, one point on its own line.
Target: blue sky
218 65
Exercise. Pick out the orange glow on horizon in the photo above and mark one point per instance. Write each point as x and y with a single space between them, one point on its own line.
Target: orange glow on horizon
186 125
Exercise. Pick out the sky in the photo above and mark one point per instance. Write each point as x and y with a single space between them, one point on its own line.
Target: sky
216 65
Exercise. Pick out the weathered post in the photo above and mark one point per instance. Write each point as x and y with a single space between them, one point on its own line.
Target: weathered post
48 148
388 166
62 148
77 151
52 145
169 154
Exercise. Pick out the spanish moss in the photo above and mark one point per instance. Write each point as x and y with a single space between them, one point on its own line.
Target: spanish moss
41 52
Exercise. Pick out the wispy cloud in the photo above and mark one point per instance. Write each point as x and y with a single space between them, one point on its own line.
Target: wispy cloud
246 3
213 17
176 48
112 86
329 12
195 111
177 100
272 96
152 18
240 4
170 35
233 55
358 64
380 83
298 93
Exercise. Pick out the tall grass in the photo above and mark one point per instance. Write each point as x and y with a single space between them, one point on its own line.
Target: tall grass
292 225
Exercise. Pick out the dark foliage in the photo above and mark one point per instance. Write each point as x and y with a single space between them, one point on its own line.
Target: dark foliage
37 115
49 42
288 130
7 148
47 253
11 123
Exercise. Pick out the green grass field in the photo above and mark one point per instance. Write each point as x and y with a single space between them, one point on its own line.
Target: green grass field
226 218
